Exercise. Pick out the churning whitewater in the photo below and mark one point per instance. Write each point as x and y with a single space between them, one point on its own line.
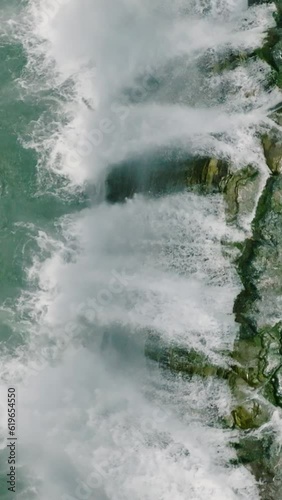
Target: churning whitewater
115 82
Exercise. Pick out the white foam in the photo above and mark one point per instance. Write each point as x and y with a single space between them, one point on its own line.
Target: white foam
106 424
125 271
108 441
94 419
84 47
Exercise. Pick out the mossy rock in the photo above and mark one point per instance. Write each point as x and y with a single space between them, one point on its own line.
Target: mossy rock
230 61
262 457
258 263
239 187
208 173
179 360
255 455
270 354
258 349
240 190
278 13
272 147
247 354
277 55
246 418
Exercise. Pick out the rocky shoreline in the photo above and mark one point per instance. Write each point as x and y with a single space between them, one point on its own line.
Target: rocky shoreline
254 373
256 378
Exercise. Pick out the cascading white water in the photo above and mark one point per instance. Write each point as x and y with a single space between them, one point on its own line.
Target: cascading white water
122 79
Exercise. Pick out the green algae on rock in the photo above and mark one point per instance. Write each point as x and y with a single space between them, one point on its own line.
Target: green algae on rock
240 189
255 371
248 418
272 146
207 173
167 173
258 350
180 360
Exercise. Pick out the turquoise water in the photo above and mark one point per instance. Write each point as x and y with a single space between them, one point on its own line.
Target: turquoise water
83 282
24 206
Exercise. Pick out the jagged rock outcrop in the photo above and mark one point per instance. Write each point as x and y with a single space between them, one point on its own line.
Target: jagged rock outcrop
259 307
180 360
272 146
166 172
169 174
258 349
